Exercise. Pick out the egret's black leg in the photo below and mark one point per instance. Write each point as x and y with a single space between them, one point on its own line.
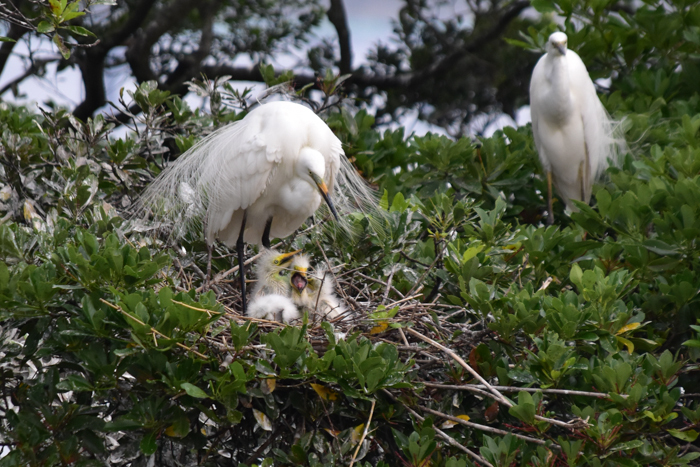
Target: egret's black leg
266 234
550 206
240 249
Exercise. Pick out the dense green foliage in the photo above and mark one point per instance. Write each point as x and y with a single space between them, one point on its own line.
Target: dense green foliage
110 356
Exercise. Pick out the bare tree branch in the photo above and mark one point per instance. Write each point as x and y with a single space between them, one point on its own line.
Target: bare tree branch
36 66
18 27
337 16
495 32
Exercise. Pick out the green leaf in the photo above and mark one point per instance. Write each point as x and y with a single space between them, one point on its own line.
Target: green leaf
148 444
194 391
79 30
628 445
543 6
525 409
44 27
61 46
56 7
71 12
576 275
688 436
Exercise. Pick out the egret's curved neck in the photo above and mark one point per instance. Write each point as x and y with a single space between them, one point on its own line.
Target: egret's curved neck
558 77
310 160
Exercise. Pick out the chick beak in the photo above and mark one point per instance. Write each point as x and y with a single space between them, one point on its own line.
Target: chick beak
286 257
299 280
324 192
561 47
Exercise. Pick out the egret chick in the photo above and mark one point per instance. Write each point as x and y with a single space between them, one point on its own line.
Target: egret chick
272 271
573 132
322 290
257 178
273 307
314 291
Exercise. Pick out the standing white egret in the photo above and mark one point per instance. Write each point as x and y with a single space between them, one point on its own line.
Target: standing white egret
257 178
573 132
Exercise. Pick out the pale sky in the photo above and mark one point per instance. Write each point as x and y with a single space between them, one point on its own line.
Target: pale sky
370 22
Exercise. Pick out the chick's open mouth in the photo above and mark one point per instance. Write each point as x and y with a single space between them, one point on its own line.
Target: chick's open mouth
299 281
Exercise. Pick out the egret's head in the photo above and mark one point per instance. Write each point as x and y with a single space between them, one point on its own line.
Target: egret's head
557 43
299 269
275 266
312 168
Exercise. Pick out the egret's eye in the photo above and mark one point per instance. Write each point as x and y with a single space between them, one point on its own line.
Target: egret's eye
277 261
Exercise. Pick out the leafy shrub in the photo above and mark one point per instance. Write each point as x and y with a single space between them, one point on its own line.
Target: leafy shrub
588 331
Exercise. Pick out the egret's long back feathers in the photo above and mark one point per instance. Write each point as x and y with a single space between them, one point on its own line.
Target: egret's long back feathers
603 135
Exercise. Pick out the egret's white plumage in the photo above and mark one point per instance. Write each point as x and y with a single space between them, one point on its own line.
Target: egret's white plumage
574 135
273 307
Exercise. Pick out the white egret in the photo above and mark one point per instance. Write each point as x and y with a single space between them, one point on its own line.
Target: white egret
273 307
257 178
314 291
573 132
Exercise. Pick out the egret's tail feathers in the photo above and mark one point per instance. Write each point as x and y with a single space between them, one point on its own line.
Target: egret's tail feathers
355 199
609 147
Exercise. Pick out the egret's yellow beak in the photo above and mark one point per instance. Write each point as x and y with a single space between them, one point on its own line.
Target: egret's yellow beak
324 192
285 257
561 47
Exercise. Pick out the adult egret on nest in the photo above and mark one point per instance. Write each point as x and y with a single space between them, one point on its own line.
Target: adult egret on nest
573 132
314 291
257 178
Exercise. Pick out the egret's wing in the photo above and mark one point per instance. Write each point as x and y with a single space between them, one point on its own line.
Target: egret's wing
240 164
603 141
538 84
226 171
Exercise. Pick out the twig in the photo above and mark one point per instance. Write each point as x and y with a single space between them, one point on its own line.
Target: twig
364 433
335 278
226 273
578 423
403 337
442 434
203 310
404 300
499 397
425 273
154 331
567 392
484 427
379 282
388 283
413 260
